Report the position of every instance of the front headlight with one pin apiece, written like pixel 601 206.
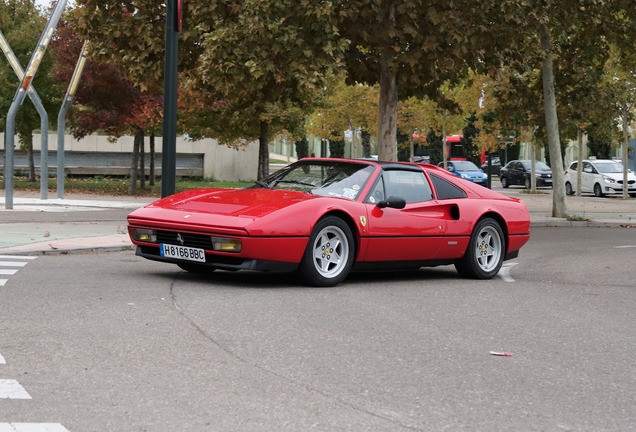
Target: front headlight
pixel 143 234
pixel 224 244
pixel 608 179
pixel 465 176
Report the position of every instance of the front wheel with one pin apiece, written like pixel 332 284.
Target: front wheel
pixel 568 189
pixel 485 252
pixel 329 254
pixel 598 192
pixel 504 182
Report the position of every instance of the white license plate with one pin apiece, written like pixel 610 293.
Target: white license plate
pixel 182 252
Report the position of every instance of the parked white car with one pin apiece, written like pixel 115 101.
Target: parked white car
pixel 600 177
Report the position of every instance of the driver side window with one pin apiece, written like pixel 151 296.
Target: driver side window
pixel 410 185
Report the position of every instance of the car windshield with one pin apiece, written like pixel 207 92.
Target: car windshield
pixel 609 167
pixel 538 165
pixel 320 177
pixel 465 166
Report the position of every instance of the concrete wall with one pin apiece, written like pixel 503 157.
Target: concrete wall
pixel 219 161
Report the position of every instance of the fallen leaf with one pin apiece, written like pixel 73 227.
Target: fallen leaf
pixel 47 234
pixel 51 246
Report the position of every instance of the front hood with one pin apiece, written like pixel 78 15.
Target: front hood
pixel 253 203
pixel 619 176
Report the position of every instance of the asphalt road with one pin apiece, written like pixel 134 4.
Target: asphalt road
pixel 110 342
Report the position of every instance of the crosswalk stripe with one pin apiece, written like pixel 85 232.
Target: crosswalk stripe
pixel 32 427
pixel 3 282
pixel 13 263
pixel 2 360
pixel 11 389
pixel 22 257
pixel 8 271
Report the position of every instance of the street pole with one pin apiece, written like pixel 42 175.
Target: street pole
pixel 169 146
pixel 61 117
pixel 44 117
pixel 20 94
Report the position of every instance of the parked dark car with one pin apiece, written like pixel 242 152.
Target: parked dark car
pixel 517 172
pixel 495 166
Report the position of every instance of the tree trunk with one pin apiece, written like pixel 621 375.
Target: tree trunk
pixel 579 166
pixel 151 182
pixel 625 118
pixel 366 143
pixel 4 163
pixel 559 207
pixel 387 127
pixel 29 145
pixel 263 152
pixel 142 165
pixel 444 149
pixel 132 186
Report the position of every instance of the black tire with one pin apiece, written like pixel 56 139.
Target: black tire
pixel 329 254
pixel 485 253
pixel 598 191
pixel 504 182
pixel 528 183
pixel 196 268
pixel 568 189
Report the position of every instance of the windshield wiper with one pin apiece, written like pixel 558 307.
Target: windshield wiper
pixel 307 186
pixel 263 184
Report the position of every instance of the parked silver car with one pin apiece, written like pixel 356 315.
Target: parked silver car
pixel 600 177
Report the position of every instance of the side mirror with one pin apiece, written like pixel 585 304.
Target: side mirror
pixel 392 202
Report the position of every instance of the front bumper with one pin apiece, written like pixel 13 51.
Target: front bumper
pixel 220 261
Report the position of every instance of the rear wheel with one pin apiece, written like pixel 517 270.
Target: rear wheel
pixel 528 183
pixel 598 192
pixel 485 252
pixel 329 254
pixel 568 189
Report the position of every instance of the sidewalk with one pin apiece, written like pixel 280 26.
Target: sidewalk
pixel 82 223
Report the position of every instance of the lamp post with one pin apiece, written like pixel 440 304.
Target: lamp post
pixel 169 146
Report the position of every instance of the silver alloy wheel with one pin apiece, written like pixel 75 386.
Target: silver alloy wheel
pixel 489 247
pixel 330 251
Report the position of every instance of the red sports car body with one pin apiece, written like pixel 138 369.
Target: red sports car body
pixel 325 217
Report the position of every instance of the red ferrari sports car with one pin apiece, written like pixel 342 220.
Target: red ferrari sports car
pixel 323 218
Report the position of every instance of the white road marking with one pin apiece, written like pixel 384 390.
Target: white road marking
pixel 625 247
pixel 22 257
pixel 2 360
pixel 504 273
pixel 32 427
pixel 8 271
pixel 11 389
pixel 13 263
pixel 3 282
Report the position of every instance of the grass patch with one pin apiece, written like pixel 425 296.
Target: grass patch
pixel 278 161
pixel 576 218
pixel 119 186
pixel 530 192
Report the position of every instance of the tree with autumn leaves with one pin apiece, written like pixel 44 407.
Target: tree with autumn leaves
pixel 268 63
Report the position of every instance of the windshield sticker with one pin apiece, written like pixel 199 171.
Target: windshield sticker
pixel 349 193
